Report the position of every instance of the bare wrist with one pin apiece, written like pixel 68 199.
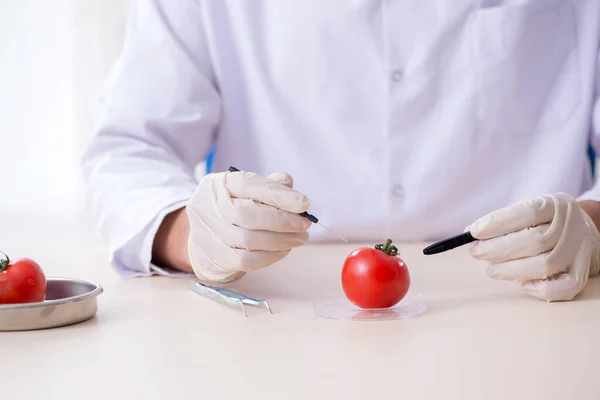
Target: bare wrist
pixel 170 243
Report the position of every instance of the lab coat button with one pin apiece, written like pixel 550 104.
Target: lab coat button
pixel 397 75
pixel 398 191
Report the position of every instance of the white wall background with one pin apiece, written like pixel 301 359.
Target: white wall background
pixel 54 56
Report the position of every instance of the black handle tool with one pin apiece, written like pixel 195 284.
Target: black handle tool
pixel 449 244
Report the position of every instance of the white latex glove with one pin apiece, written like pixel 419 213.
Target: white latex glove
pixel 240 222
pixel 549 244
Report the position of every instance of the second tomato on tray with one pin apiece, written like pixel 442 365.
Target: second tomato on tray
pixel 21 281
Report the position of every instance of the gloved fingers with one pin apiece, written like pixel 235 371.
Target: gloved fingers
pixel 218 250
pixel 203 251
pixel 283 178
pixel 230 261
pixel 561 287
pixel 524 243
pixel 537 267
pixel 595 260
pixel 557 288
pixel 240 238
pixel 568 284
pixel 251 215
pixel 248 185
pixel 514 218
pixel 214 260
pixel 254 260
pixel 234 215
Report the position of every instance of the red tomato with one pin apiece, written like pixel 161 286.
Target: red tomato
pixel 22 281
pixel 375 277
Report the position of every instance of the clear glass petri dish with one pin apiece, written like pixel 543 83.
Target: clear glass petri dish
pixel 338 307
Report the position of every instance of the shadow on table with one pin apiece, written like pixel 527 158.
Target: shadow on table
pixel 270 287
pixel 445 304
pixel 508 298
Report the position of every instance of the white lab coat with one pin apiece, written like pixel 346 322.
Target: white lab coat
pixel 400 119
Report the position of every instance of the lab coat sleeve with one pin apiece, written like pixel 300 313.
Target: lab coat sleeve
pixel 157 114
pixel 594 192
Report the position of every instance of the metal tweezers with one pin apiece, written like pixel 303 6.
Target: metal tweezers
pixel 227 296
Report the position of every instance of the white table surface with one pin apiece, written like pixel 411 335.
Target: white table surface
pixel 152 338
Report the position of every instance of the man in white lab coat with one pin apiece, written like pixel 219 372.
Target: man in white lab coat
pixel 401 119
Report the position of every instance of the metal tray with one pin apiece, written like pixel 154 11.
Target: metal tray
pixel 68 301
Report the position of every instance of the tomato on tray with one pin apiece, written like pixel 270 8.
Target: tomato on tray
pixel 21 281
pixel 375 277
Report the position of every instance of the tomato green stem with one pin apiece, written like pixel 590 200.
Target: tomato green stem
pixel 388 248
pixel 4 261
